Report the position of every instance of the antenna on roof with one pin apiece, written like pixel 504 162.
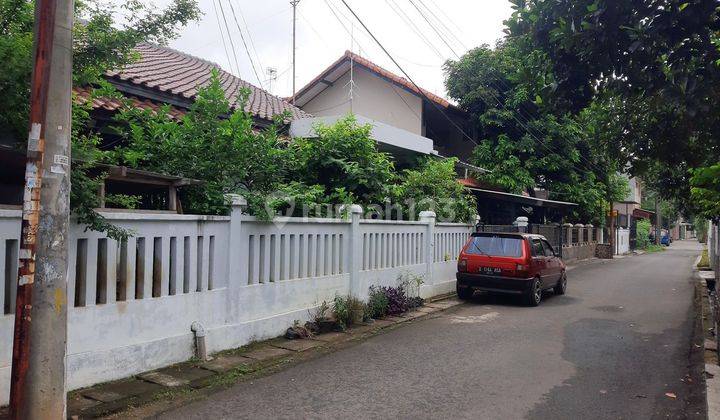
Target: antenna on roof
pixel 294 4
pixel 351 83
pixel 272 76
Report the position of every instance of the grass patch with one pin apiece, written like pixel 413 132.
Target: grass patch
pixel 654 248
pixel 230 377
pixel 704 260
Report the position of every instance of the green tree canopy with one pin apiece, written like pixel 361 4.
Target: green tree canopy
pixel 524 140
pixel 98 45
pixel 658 59
pixel 344 159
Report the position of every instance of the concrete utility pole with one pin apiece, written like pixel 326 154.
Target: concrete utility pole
pixel 294 4
pixel 37 388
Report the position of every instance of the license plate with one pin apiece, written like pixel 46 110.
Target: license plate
pixel 490 270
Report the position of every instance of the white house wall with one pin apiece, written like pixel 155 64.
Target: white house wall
pixel 373 97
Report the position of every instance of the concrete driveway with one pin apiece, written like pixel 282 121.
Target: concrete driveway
pixel 618 345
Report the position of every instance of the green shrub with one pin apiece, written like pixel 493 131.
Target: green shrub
pixel 643 233
pixel 378 302
pixel 348 310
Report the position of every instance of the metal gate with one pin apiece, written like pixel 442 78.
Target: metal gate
pixel 633 233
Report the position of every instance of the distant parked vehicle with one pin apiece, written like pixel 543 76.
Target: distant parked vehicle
pixel 665 240
pixel 510 263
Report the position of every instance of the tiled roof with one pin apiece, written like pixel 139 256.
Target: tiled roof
pixel 172 72
pixel 82 95
pixel 364 62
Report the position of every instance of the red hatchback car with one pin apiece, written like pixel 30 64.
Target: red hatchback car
pixel 512 263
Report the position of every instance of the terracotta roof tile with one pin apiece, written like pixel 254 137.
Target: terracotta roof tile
pixel 82 95
pixel 172 72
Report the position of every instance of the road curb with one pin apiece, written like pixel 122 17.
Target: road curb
pixel 711 372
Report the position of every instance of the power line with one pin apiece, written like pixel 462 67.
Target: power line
pixel 217 18
pixel 337 15
pixel 410 79
pixel 447 29
pixel 433 27
pixel 317 34
pixel 525 125
pixel 252 43
pixel 406 19
pixel 449 20
pixel 232 44
pixel 242 37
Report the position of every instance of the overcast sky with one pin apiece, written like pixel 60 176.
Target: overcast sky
pixel 321 38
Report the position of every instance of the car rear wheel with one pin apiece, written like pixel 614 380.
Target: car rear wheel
pixel 465 293
pixel 534 296
pixel 561 285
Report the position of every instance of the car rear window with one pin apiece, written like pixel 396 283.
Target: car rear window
pixel 497 246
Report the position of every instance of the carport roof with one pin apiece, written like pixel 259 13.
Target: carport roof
pixel 516 198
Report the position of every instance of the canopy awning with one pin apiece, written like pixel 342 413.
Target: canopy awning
pixel 516 198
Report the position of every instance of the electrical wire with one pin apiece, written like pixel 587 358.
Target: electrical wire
pixel 406 19
pixel 250 37
pixel 217 18
pixel 525 125
pixel 410 79
pixel 232 44
pixel 447 44
pixel 247 51
pixel 447 29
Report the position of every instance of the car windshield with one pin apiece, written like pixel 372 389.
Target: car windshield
pixel 499 246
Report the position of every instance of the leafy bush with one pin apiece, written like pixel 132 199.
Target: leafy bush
pixel 434 186
pixel 378 303
pixel 347 310
pixel 388 300
pixel 343 157
pixel 397 299
pixel 643 233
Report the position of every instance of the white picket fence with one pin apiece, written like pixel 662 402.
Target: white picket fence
pixel 131 304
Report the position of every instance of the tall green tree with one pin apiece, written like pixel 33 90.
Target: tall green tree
pixel 526 142
pixel 659 58
pixel 99 45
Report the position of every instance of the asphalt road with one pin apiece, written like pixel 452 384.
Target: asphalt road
pixel 611 348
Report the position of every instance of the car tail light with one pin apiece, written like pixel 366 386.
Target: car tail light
pixel 462 265
pixel 521 270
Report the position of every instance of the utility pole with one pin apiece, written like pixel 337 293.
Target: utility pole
pixel 294 4
pixel 37 387
pixel 658 220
